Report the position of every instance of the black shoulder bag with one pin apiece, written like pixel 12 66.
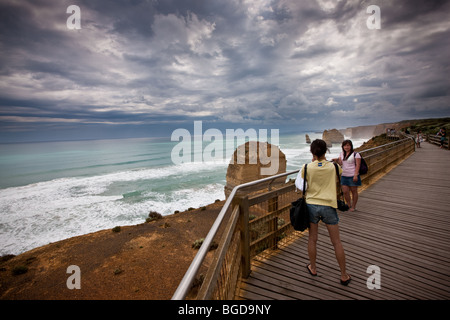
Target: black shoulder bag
pixel 299 211
pixel 363 168
pixel 341 203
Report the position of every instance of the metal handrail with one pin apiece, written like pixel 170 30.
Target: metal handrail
pixel 189 276
pixel 387 144
pixel 398 142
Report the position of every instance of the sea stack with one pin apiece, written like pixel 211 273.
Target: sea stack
pixel 245 165
pixel 332 136
pixel 308 140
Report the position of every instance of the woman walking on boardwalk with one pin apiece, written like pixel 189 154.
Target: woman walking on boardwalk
pixel 419 139
pixel 322 203
pixel 350 179
pixel 442 133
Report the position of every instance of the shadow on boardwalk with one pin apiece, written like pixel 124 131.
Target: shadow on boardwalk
pixel 402 225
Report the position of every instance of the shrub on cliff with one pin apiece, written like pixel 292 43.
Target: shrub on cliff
pixel 198 243
pixel 153 215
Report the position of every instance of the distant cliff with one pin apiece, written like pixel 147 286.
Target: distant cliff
pixel 367 132
pixel 361 132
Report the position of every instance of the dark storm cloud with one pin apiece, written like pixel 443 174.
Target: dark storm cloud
pixel 404 12
pixel 279 62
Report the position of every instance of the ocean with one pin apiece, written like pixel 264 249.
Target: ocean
pixel 51 191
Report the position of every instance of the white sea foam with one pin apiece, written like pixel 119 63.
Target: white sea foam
pixel 39 213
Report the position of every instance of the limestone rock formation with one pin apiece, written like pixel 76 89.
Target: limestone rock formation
pixel 247 165
pixel 332 136
pixel 308 139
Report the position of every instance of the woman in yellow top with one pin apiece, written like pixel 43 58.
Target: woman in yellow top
pixel 321 201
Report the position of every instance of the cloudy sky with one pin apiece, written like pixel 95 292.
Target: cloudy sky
pixel 146 67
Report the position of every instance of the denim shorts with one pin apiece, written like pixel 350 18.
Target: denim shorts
pixel 348 181
pixel 325 213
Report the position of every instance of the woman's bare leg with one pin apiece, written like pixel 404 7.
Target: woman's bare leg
pixel 346 191
pixel 312 245
pixel 354 191
pixel 333 230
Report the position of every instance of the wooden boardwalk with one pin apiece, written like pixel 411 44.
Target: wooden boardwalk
pixel 402 225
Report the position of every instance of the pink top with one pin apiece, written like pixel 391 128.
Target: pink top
pixel 349 165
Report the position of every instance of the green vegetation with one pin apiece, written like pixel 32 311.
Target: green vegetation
pixel 198 243
pixel 427 126
pixel 21 269
pixel 118 271
pixel 153 215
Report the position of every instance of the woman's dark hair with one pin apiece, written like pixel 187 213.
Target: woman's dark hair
pixel 318 147
pixel 345 142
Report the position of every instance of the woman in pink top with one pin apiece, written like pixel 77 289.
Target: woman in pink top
pixel 350 179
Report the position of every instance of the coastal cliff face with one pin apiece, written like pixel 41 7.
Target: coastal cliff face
pixel 246 165
pixel 367 132
pixel 360 132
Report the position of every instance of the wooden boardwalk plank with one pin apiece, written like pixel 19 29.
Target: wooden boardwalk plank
pixel 402 225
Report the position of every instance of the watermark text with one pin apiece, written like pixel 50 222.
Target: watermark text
pixel 74 281
pixel 211 144
pixel 374 280
pixel 374 21
pixel 74 20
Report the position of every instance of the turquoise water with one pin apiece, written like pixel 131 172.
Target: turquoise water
pixel 54 190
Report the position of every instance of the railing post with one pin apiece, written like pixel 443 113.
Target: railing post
pixel 273 224
pixel 245 236
pixel 367 180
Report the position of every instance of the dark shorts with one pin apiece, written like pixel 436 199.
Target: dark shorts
pixel 325 213
pixel 348 181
